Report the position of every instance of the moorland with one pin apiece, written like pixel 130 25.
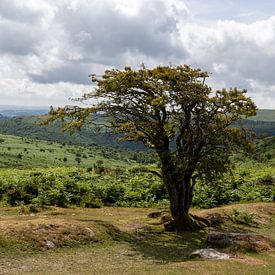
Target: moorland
pixel 92 199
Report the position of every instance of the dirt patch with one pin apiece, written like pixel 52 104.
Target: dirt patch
pixel 250 260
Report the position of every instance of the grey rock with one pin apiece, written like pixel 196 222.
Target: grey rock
pixel 50 244
pixel 91 233
pixel 210 253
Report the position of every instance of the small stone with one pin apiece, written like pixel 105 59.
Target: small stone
pixel 91 233
pixel 50 244
pixel 210 253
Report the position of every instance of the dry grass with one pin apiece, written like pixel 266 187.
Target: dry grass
pixel 126 241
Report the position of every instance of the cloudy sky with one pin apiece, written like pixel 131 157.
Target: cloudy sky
pixel 49 47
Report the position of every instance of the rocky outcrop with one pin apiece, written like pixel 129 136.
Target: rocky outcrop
pixel 243 241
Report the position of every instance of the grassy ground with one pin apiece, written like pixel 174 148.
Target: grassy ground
pixel 19 152
pixel 126 241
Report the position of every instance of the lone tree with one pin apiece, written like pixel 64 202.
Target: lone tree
pixel 173 111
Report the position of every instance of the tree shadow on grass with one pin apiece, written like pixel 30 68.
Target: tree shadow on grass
pixel 156 244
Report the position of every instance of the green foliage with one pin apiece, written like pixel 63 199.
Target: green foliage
pixel 127 187
pixel 242 217
pixel 167 105
pixel 70 186
pixel 253 179
pixel 78 160
pixel 90 201
pixel 250 182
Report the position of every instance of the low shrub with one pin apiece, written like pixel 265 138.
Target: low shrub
pixel 66 187
pixel 242 217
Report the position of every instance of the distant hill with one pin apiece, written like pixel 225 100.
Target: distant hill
pixel 25 122
pixel 261 128
pixel 264 115
pixel 28 126
pixel 12 111
pixel 263 123
pixel 25 152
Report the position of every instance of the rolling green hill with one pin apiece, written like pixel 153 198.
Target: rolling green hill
pixel 261 128
pixel 22 152
pixel 28 126
pixel 264 115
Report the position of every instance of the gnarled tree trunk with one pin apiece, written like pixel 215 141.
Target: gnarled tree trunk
pixel 180 195
pixel 180 188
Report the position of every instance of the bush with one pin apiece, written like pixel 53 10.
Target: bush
pixel 90 201
pixel 114 194
pixel 242 217
pixel 120 187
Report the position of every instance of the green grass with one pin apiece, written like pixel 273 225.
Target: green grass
pixel 19 152
pixel 128 242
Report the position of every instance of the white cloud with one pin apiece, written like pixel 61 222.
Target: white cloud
pixel 235 53
pixel 48 48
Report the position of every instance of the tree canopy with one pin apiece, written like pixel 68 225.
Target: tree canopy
pixel 173 111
